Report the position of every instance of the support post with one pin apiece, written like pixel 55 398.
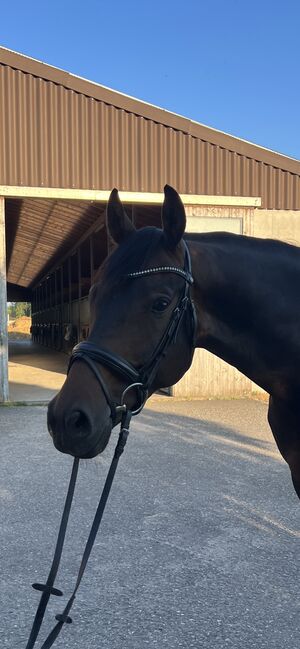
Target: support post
pixel 70 288
pixel 91 259
pixel 79 290
pixel 133 214
pixel 62 300
pixel 4 390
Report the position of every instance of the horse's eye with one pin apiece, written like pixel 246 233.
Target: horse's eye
pixel 161 304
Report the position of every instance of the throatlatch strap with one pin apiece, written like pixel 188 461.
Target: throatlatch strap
pixel 47 589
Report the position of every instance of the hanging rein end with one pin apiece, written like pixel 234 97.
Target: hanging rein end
pixel 64 619
pixel 44 588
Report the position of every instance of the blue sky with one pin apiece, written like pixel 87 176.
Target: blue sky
pixel 232 64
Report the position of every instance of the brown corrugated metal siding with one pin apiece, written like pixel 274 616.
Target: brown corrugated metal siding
pixel 55 136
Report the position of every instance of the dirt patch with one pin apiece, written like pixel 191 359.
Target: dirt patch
pixel 19 329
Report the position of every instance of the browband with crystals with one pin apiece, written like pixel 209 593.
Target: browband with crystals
pixel 163 269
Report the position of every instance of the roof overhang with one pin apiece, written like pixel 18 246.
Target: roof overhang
pixel 149 111
pixel 44 225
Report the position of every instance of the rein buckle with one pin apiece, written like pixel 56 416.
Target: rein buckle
pixel 122 408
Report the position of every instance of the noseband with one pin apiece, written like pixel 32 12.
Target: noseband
pixel 141 379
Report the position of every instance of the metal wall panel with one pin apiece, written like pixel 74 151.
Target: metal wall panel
pixel 54 136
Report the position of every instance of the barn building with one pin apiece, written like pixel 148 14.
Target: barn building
pixel 65 142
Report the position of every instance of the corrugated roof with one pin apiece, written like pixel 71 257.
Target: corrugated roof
pixel 59 130
pixel 147 110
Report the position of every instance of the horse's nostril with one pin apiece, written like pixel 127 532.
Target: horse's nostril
pixel 75 419
pixel 78 422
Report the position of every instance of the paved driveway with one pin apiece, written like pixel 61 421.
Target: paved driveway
pixel 199 545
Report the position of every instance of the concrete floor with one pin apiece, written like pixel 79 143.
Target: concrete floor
pixel 199 545
pixel 35 373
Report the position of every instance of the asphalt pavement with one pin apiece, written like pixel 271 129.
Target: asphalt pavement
pixel 199 546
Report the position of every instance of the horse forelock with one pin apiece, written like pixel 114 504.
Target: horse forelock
pixel 131 255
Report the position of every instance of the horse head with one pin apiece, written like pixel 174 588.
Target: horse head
pixel 141 326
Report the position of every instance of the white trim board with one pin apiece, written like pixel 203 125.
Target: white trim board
pixel 58 193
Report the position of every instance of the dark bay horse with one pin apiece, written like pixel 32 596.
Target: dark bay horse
pixel 247 304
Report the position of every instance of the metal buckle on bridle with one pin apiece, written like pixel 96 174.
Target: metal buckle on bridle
pixel 143 393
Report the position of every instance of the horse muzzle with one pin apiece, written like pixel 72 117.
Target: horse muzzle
pixel 75 432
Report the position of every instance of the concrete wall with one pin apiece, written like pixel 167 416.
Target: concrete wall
pixel 209 377
pixel 277 224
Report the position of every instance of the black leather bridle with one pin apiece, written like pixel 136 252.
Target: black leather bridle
pixel 141 379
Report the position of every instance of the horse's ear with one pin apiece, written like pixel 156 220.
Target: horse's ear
pixel 118 223
pixel 173 216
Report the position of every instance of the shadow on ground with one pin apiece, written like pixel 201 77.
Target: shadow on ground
pixel 185 426
pixel 25 352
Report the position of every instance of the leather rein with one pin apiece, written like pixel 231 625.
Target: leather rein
pixel 139 380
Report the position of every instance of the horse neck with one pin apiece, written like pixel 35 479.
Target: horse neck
pixel 239 318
